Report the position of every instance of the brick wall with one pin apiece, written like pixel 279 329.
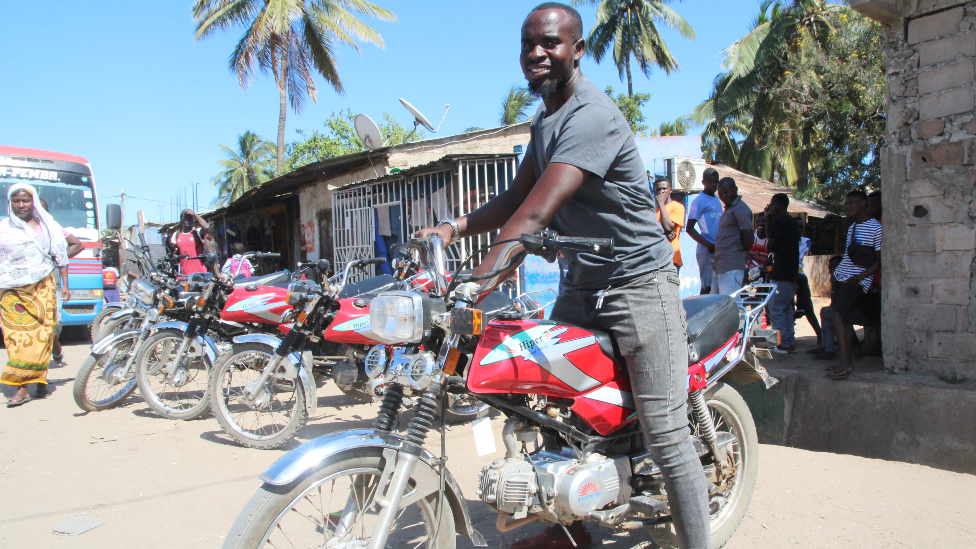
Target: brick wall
pixel 928 175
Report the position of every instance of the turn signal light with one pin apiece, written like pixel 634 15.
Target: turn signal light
pixel 200 301
pixel 466 321
pixel 167 302
pixel 450 365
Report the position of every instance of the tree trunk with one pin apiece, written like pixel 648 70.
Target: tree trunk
pixel 802 179
pixel 630 82
pixel 282 82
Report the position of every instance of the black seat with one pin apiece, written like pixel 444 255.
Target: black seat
pixel 712 321
pixel 367 289
pixel 200 277
pixel 495 301
pixel 273 279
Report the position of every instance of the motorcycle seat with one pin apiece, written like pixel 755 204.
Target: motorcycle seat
pixel 200 277
pixel 367 289
pixel 273 279
pixel 495 301
pixel 712 321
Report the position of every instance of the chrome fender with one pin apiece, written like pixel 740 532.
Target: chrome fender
pixel 107 342
pixel 293 366
pixel 205 345
pixel 335 447
pixel 122 314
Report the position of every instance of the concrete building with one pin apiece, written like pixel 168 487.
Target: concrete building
pixel 928 173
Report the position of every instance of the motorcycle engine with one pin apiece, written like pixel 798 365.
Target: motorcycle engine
pixel 571 489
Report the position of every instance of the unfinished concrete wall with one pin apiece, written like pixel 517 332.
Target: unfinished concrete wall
pixel 928 175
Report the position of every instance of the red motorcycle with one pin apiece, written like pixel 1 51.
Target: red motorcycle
pixel 574 450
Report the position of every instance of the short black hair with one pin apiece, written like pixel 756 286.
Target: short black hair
pixel 728 181
pixel 875 194
pixel 574 16
pixel 237 248
pixel 781 199
pixel 710 174
pixel 661 178
pixel 858 193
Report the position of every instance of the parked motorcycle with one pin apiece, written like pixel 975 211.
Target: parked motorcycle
pixel 567 396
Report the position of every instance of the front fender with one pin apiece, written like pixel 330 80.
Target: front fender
pixel 332 448
pixel 122 314
pixel 207 345
pixel 107 342
pixel 181 326
pixel 292 364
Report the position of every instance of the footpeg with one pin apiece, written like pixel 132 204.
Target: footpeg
pixel 648 506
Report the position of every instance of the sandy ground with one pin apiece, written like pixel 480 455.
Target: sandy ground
pixel 161 483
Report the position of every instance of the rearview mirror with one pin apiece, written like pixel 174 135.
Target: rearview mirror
pixel 113 217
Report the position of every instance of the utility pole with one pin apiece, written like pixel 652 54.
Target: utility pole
pixel 122 206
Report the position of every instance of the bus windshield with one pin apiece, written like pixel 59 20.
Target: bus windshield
pixel 69 197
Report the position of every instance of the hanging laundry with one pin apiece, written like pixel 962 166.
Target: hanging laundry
pixel 383 221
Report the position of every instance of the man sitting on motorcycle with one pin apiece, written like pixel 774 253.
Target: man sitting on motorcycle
pixel 583 176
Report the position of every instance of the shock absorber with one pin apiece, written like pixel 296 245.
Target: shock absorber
pixel 389 408
pixel 706 428
pixel 423 418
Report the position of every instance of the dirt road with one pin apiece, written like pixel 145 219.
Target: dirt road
pixel 161 483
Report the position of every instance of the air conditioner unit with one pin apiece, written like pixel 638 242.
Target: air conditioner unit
pixel 685 173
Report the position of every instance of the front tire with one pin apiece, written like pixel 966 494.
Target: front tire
pixel 187 396
pixel 464 408
pixel 266 428
pixel 728 507
pixel 91 391
pixel 95 329
pixel 302 515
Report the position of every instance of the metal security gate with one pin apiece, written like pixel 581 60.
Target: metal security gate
pixel 424 199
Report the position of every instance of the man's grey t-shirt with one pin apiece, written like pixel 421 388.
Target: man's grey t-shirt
pixel 729 255
pixel 615 201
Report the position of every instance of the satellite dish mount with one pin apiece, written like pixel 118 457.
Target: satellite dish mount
pixel 419 119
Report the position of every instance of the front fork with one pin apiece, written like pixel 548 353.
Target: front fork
pixel 254 390
pixel 121 375
pixel 189 335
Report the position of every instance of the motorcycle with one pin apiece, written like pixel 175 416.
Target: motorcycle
pixel 563 390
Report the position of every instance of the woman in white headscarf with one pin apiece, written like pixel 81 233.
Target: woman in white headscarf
pixel 32 246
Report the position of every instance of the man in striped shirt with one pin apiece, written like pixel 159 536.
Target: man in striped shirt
pixel 862 258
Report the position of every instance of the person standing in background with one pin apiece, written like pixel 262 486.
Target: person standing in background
pixel 804 299
pixel 237 264
pixel 703 218
pixel 32 248
pixel 733 240
pixel 674 218
pixel 189 241
pixel 75 247
pixel 783 240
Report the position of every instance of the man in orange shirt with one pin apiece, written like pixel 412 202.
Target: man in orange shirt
pixel 675 219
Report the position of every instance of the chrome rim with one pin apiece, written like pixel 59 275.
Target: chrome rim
pixel 100 392
pixel 191 381
pixel 261 423
pixel 465 405
pixel 338 512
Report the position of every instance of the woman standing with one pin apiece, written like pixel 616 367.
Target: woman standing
pixel 32 246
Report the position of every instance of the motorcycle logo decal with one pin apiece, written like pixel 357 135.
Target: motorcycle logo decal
pixel 542 345
pixel 589 491
pixel 719 355
pixel 609 395
pixel 255 301
pixel 355 325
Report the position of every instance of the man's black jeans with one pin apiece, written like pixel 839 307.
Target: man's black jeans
pixel 647 319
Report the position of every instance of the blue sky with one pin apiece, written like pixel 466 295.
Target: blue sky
pixel 124 84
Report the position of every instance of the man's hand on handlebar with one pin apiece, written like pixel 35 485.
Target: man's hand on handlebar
pixel 444 231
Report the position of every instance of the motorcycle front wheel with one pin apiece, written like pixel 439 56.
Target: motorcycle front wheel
pixel 96 325
pixel 186 395
pixel 334 507
pixel 464 408
pixel 730 501
pixel 94 389
pixel 269 425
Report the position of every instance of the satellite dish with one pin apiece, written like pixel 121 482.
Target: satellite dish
pixel 368 132
pixel 419 118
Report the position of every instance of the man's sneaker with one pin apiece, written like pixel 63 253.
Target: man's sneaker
pixel 554 538
pixel 784 349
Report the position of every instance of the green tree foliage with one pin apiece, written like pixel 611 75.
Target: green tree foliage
pixel 680 126
pixel 290 40
pixel 515 106
pixel 628 28
pixel 802 99
pixel 339 138
pixel 245 168
pixel 630 106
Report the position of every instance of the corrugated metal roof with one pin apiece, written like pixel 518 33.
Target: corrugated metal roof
pixel 429 166
pixel 756 193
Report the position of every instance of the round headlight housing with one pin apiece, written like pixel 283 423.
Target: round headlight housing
pixel 400 317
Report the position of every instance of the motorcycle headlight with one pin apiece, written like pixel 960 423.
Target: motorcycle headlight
pixel 400 317
pixel 142 291
pixel 130 302
pixel 152 315
pixel 375 363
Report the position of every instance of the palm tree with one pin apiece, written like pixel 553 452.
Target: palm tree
pixel 247 167
pixel 629 25
pixel 514 106
pixel 290 39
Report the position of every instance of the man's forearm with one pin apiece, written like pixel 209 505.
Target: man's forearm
pixel 696 236
pixel 491 216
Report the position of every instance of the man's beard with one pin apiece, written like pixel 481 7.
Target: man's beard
pixel 546 88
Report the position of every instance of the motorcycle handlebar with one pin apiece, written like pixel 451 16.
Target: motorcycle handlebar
pixel 266 255
pixel 548 241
